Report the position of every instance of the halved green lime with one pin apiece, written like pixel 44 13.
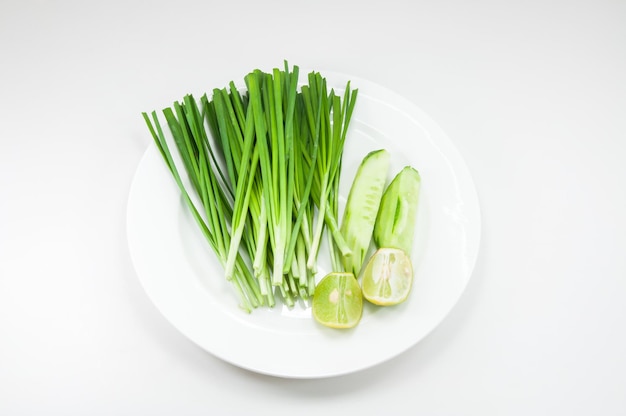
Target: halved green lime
pixel 337 301
pixel 387 277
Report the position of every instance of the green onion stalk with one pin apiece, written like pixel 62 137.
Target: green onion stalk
pixel 264 163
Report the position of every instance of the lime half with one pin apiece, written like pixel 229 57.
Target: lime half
pixel 387 277
pixel 337 301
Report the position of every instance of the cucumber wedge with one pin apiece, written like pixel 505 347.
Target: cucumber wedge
pixel 362 207
pixel 397 215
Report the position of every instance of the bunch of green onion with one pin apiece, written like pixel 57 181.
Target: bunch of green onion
pixel 263 163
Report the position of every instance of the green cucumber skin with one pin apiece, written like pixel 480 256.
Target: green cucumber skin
pixel 362 206
pixel 397 215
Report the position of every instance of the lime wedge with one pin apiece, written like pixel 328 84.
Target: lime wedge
pixel 387 277
pixel 337 301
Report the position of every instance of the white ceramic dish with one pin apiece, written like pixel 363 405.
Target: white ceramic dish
pixel 182 277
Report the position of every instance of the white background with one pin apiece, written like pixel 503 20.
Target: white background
pixel 532 93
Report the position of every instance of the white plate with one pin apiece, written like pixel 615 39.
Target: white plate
pixel 184 280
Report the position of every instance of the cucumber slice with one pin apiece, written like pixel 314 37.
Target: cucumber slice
pixel 397 215
pixel 361 209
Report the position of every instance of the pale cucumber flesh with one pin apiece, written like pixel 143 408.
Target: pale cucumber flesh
pixel 362 207
pixel 397 215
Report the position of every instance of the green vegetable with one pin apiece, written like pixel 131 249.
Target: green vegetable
pixel 395 223
pixel 185 123
pixel 362 207
pixel 320 106
pixel 263 167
